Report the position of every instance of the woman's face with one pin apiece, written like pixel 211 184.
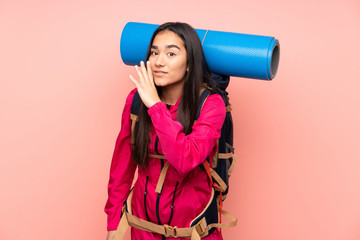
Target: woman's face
pixel 168 60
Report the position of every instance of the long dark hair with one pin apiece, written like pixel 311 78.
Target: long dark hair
pixel 197 75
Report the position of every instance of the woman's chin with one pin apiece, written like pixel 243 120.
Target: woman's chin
pixel 159 83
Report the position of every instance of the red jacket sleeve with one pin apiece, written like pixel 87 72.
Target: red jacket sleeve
pixel 186 152
pixel 122 169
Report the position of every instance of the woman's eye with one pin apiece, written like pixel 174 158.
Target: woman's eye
pixel 153 53
pixel 171 54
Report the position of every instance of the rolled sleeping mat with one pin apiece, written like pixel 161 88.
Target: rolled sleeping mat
pixel 226 53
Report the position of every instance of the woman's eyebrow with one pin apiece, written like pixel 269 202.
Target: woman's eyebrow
pixel 167 46
pixel 172 46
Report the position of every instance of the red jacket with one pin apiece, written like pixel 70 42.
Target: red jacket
pixel 186 189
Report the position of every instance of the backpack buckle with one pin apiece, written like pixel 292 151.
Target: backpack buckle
pixel 170 231
pixel 199 228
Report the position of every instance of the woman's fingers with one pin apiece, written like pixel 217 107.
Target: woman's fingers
pixel 144 72
pixel 149 72
pixel 145 84
pixel 141 79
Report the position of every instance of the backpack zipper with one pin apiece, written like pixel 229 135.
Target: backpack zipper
pixel 172 204
pixel 146 213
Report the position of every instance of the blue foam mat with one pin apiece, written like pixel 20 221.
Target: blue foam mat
pixel 226 53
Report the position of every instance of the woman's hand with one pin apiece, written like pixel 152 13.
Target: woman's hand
pixel 145 85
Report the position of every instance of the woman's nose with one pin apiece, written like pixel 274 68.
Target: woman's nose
pixel 159 61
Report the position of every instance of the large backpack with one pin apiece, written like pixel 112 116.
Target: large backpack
pixel 224 160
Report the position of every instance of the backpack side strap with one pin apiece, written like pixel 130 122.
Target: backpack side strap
pixel 232 166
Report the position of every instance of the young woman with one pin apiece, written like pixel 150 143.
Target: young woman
pixel 169 85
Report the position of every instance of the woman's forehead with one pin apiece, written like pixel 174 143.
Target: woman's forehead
pixel 168 39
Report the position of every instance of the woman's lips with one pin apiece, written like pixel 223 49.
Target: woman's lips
pixel 159 73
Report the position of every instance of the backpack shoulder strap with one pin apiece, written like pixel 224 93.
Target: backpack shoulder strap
pixel 204 95
pixel 135 109
pixel 135 104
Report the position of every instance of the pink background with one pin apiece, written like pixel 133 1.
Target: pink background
pixel 63 86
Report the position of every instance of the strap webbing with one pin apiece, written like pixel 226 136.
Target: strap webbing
pixel 134 119
pixel 168 231
pixel 232 223
pixel 232 165
pixel 156 156
pixel 201 229
pixel 216 155
pixel 211 173
pixel 123 225
pixel 220 185
pixel 218 179
pixel 228 108
pixel 225 155
pixel 162 176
